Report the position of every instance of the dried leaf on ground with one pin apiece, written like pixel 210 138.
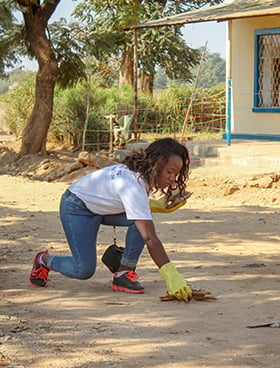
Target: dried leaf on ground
pixel 198 295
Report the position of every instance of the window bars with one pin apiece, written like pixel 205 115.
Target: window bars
pixel 269 70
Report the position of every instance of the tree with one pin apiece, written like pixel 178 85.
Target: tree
pixel 164 46
pixel 35 132
pixel 36 18
pixel 58 60
pixel 6 22
pixel 213 70
pixel 59 49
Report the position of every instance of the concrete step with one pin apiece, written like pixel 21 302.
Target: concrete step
pixel 239 153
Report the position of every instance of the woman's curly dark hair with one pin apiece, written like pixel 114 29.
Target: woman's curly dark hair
pixel 149 162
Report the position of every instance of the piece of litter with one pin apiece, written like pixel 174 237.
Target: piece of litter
pixel 273 324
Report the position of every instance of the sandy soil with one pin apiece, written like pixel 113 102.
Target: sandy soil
pixel 225 240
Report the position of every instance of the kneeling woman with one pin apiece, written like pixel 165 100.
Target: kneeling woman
pixel 118 195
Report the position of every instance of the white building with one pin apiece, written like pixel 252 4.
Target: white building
pixel 253 63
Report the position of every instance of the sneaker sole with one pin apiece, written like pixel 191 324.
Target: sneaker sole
pixel 37 286
pixel 121 288
pixel 29 278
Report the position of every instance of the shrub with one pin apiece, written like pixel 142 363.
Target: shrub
pixel 19 101
pixel 164 113
pixel 70 113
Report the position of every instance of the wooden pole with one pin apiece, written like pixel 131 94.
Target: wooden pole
pixel 192 95
pixel 111 148
pixel 87 112
pixel 135 59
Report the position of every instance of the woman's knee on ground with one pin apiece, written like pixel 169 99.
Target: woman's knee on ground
pixel 85 272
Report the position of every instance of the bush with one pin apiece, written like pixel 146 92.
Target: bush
pixel 164 113
pixel 19 101
pixel 70 108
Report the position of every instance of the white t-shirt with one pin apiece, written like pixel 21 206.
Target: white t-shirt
pixel 112 190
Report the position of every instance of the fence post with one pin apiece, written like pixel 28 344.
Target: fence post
pixel 192 96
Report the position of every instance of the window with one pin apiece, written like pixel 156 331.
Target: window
pixel 267 70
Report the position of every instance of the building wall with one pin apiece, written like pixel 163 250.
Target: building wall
pixel 243 120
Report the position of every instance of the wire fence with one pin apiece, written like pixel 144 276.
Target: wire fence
pixel 207 114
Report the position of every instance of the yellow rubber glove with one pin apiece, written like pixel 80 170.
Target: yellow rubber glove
pixel 176 284
pixel 160 205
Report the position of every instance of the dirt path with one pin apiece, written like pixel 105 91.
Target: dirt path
pixel 226 240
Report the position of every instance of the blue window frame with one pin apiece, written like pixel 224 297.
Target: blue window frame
pixel 267 70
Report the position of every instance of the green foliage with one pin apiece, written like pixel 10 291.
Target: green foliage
pixel 167 111
pixel 162 46
pixel 70 111
pixel 164 113
pixel 68 53
pixel 213 70
pixel 19 102
pixel 79 55
pixel 11 37
pixel 70 43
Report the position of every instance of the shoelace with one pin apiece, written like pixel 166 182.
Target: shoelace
pixel 41 273
pixel 131 275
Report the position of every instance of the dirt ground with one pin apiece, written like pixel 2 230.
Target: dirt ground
pixel 225 240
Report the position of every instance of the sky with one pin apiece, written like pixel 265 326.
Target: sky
pixel 195 34
pixel 214 33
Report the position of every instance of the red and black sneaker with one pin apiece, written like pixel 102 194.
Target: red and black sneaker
pixel 127 282
pixel 39 275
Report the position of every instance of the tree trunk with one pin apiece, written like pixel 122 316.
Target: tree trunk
pixel 126 68
pixel 35 132
pixel 147 83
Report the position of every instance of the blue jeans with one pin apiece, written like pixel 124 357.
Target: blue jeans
pixel 81 228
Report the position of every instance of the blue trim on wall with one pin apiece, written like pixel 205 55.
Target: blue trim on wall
pixel 258 33
pixel 266 31
pixel 264 109
pixel 256 137
pixel 228 132
pixel 256 69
